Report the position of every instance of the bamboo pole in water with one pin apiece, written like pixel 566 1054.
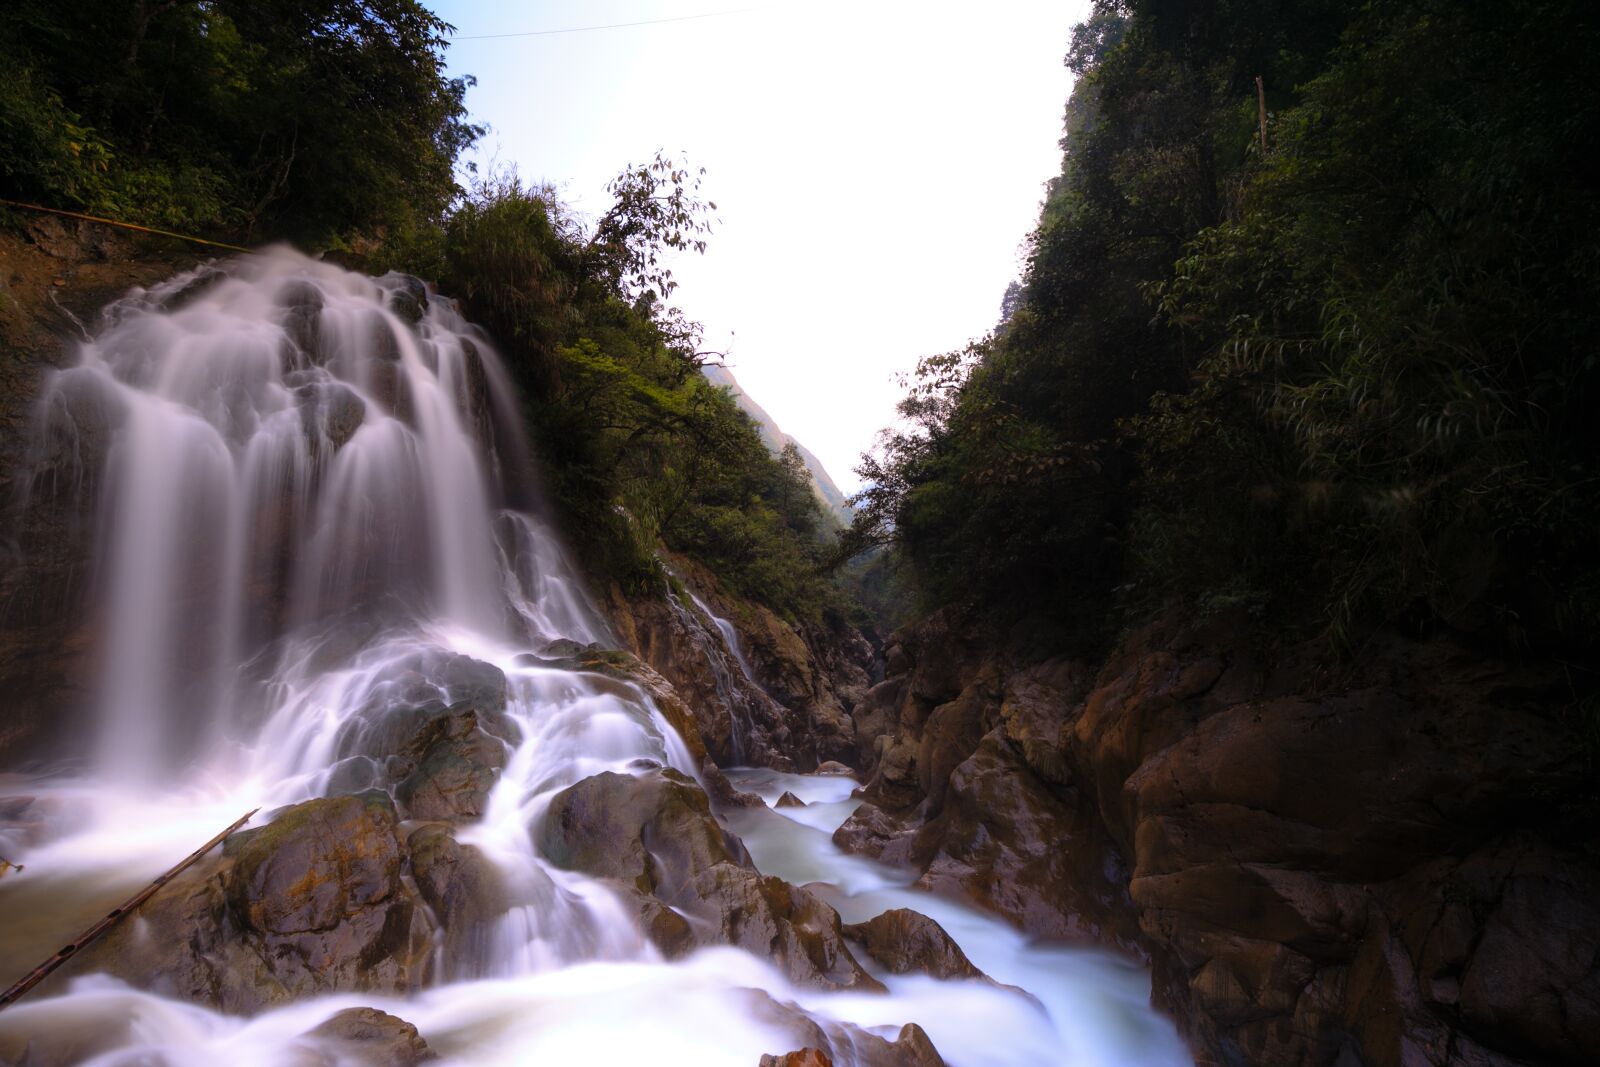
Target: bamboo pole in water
pixel 67 951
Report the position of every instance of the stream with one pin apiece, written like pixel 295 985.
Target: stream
pixel 311 520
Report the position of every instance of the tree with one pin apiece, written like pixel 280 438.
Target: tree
pixel 317 120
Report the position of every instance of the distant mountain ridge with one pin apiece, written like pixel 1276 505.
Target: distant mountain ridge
pixel 833 499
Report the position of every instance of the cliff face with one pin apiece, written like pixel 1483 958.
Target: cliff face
pixel 780 696
pixel 54 284
pixel 1324 868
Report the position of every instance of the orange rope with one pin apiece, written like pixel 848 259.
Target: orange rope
pixel 124 225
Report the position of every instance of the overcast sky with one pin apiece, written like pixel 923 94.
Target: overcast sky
pixel 876 166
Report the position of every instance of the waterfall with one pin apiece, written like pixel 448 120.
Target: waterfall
pixel 307 532
pixel 312 521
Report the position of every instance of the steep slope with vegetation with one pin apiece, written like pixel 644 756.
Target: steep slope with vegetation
pixel 1342 383
pixel 314 120
pixel 1261 537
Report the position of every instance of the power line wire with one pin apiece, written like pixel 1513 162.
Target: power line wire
pixel 615 25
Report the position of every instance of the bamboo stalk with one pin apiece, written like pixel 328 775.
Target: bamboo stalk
pixel 125 226
pixel 67 951
pixel 1261 110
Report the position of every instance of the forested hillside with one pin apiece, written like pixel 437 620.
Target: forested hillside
pixel 1307 327
pixel 1254 550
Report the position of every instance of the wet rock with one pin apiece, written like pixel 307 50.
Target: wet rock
pixel 905 941
pixel 1530 979
pixel 833 768
pixel 871 831
pixel 840 1042
pixel 912 1048
pixel 806 1057
pixel 789 800
pixel 951 733
pixel 787 924
pixel 311 903
pixel 796 711
pixel 408 298
pixel 367 1037
pixel 655 835
pixel 666 927
pixel 318 891
pixel 653 832
pixel 456 767
pixel 464 890
pixel 817 673
pixel 1006 841
pixel 199 284
pixel 331 412
pixel 628 668
pixel 736 720
pixel 302 318
pixel 314 864
pixel 1035 712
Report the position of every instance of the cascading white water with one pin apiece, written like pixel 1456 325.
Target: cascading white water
pixel 311 517
pixel 730 636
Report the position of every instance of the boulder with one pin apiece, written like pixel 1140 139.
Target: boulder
pixel 462 888
pixel 654 834
pixel 456 764
pixel 789 800
pixel 408 296
pixel 905 941
pixel 835 1042
pixel 367 1037
pixel 313 902
pixel 806 1057
pixel 317 894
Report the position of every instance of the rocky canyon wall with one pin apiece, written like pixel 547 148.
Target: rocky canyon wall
pixel 1330 866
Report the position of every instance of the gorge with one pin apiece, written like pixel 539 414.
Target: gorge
pixel 1206 671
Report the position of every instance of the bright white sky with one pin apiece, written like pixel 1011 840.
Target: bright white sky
pixel 876 166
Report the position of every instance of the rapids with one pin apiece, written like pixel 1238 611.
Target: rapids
pixel 310 508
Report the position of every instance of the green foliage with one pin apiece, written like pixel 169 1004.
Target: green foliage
pixel 639 450
pixel 1341 383
pixel 316 120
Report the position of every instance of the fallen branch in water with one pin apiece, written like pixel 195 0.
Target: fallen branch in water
pixel 39 973
pixel 7 866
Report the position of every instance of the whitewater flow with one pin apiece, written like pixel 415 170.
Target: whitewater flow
pixel 312 514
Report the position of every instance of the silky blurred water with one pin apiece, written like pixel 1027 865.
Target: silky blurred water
pixel 312 515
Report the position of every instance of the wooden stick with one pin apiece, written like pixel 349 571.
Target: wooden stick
pixel 39 973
